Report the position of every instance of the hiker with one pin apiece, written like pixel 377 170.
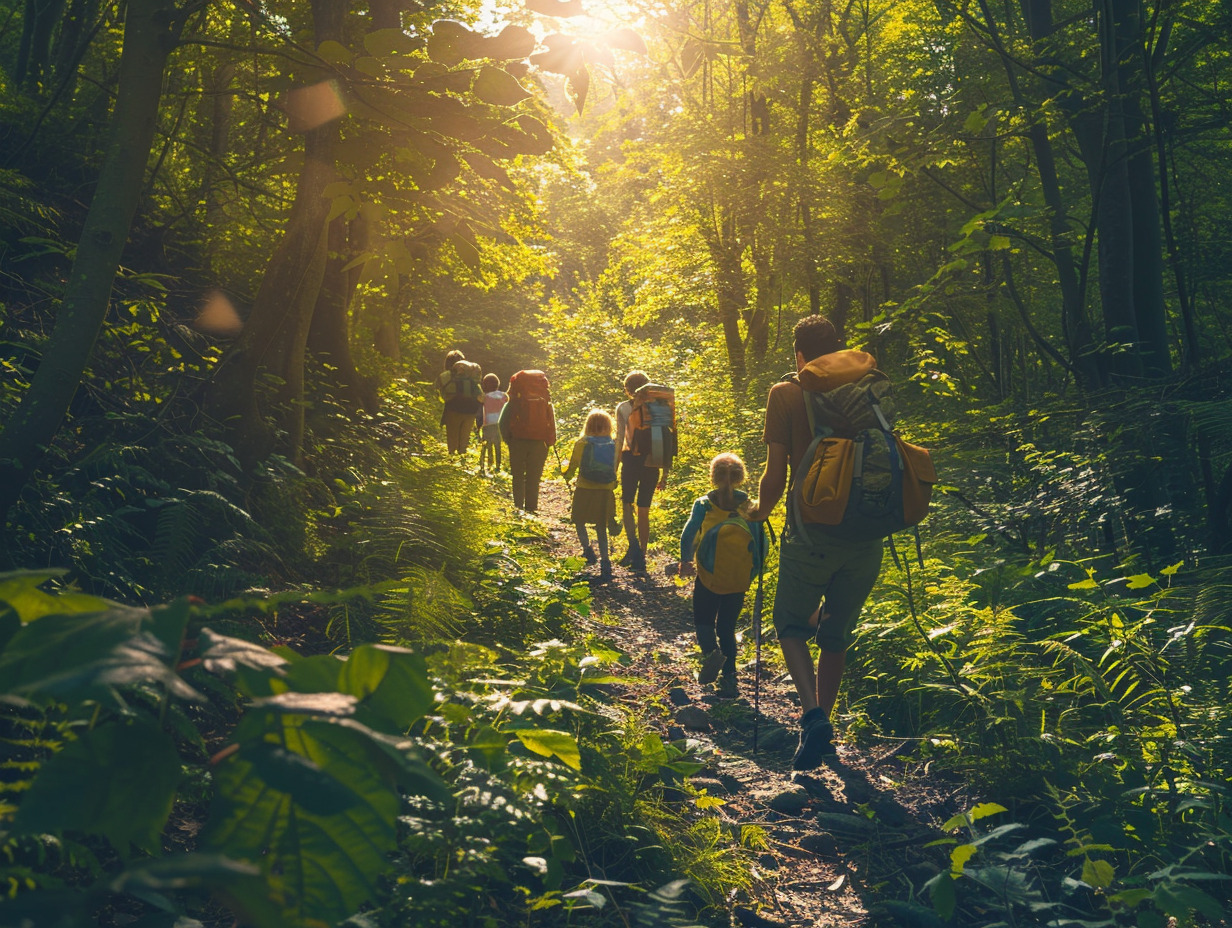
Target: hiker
pixel 594 499
pixel 638 481
pixel 724 552
pixel 488 420
pixel 459 386
pixel 528 425
pixel 823 582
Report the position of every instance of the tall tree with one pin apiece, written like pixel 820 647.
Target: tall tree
pixel 151 29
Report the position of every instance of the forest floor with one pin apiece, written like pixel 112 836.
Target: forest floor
pixel 846 842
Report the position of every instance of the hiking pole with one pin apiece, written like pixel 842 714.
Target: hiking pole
pixel 757 606
pixel 560 467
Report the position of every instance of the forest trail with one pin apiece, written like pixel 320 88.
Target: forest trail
pixel 846 841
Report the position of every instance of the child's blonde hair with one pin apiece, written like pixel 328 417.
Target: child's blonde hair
pixel 598 422
pixel 726 473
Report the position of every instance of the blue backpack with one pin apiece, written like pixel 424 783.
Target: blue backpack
pixel 599 459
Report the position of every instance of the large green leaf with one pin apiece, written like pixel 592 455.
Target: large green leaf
pixel 72 656
pixel 549 743
pixel 513 42
pixel 19 590
pixel 391 683
pixel 320 866
pixel 117 780
pixel 499 87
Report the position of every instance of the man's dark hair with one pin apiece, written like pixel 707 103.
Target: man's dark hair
pixel 453 358
pixel 815 336
pixel 635 379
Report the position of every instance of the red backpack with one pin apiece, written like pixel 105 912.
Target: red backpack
pixel 530 407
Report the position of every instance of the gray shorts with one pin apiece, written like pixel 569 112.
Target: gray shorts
pixel 840 572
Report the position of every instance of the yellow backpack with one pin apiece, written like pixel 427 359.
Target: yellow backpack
pixel 731 551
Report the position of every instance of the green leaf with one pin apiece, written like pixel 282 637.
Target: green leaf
pixel 1097 873
pixel 296 775
pixel 390 682
pixel 1172 568
pixel 959 857
pixel 319 673
pixel 943 897
pixel 1139 581
pixel 1178 900
pixel 117 780
pixel 321 866
pixel 513 42
pixel 19 589
pixel 498 87
pixel 74 656
pixel 334 52
pixel 550 743
pixel 998 242
pixel 1087 584
pixel 985 809
pixel 385 43
pixel 221 654
pixel 625 39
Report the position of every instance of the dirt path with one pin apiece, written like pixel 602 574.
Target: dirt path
pixel 845 842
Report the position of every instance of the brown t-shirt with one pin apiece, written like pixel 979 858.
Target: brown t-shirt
pixel 787 420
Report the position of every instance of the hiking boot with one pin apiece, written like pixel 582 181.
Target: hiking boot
pixel 816 741
pixel 727 686
pixel 637 561
pixel 627 557
pixel 605 570
pixel 712 663
pixel 588 553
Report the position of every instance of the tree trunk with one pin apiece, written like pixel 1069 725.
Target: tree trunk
pixel 726 251
pixel 276 334
pixel 1075 324
pixel 221 101
pixel 149 35
pixel 329 334
pixel 759 319
pixel 38 27
pixel 1114 215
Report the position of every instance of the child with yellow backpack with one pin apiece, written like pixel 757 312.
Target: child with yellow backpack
pixel 726 553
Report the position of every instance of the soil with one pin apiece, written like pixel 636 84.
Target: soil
pixel 846 842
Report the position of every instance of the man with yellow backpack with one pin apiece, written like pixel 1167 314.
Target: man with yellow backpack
pixel 853 483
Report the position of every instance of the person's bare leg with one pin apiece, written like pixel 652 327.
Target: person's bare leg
pixel 629 523
pixel 643 527
pixel 830 667
pixel 800 665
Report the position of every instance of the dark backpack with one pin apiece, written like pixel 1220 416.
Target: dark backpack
pixel 858 479
pixel 598 459
pixel 530 412
pixel 464 391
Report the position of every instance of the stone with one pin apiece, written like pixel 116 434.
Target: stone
pixel 775 739
pixel 693 718
pixel 678 696
pixel 821 845
pixel 791 801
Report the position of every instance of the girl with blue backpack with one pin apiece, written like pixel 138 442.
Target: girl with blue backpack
pixel 725 552
pixel 594 499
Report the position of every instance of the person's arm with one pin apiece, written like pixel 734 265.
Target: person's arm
pixel 505 422
pixel 575 459
pixel 689 535
pixel 621 419
pixel 773 482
